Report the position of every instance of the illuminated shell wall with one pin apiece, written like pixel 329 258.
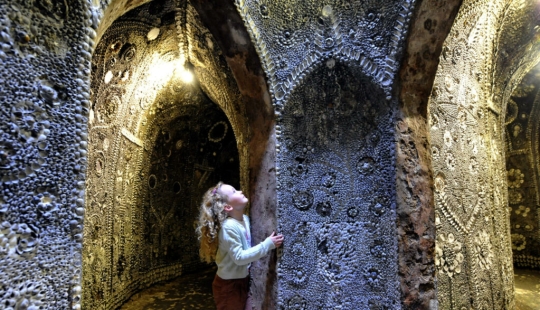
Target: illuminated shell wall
pixel 477 72
pixel 156 144
pixel 370 133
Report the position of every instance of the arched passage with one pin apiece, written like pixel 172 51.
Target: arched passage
pixel 155 144
pixel 521 136
pixel 193 149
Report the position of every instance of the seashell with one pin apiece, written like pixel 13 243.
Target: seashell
pixel 153 34
pixel 48 94
pixel 327 11
pixel 108 77
pixel 5 37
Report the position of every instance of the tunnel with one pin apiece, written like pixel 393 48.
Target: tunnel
pixel 157 142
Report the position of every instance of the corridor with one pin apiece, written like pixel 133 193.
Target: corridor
pixel 192 291
pixel 527 289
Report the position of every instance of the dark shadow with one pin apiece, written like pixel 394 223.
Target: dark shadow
pixel 522 125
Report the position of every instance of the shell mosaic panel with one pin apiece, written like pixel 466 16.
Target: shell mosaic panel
pixel 336 193
pixel 43 142
pixel 473 253
pixel 292 37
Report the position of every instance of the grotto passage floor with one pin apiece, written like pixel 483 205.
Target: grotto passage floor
pixel 194 291
pixel 191 291
pixel 527 284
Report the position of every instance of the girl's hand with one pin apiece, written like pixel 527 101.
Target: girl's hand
pixel 276 239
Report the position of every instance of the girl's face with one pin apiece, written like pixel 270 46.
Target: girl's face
pixel 235 198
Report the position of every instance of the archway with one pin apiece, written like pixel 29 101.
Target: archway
pixel 193 149
pixel 155 144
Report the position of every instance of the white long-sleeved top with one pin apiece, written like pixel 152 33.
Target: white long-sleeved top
pixel 235 252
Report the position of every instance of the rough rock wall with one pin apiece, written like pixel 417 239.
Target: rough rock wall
pixel 44 62
pixel 430 25
pixel 522 155
pixel 156 144
pixel 322 51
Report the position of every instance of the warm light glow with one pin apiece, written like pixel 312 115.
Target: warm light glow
pixel 185 75
pixel 160 72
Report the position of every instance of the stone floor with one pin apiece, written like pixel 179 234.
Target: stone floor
pixel 194 291
pixel 527 284
pixel 191 291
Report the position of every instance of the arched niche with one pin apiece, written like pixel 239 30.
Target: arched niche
pixel 336 193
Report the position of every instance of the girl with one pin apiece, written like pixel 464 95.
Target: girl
pixel 225 237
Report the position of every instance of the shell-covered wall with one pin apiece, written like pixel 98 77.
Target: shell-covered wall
pixel 344 57
pixel 44 66
pixel 156 143
pixel 466 117
pixel 331 68
pixel 522 169
pixel 472 247
pixel 336 193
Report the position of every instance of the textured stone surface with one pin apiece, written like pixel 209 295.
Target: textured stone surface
pixel 473 252
pixel 527 288
pixel 192 291
pixel 429 28
pixel 272 68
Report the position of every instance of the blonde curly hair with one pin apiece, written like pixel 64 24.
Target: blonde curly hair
pixel 211 216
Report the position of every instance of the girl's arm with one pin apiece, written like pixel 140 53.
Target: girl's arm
pixel 240 256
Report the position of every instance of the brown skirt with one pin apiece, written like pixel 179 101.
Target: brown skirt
pixel 230 294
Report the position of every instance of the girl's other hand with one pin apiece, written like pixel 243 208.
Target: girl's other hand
pixel 276 239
